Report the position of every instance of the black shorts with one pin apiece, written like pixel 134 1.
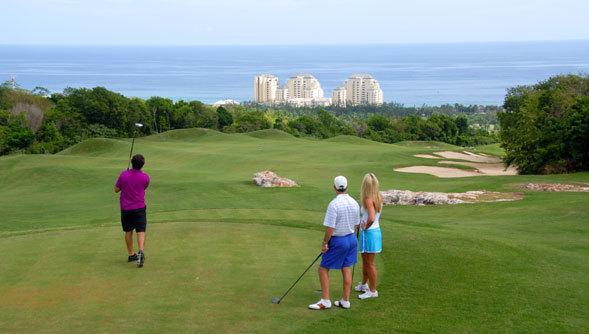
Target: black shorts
pixel 134 220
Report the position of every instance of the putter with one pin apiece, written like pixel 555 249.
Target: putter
pixel 137 125
pixel 276 300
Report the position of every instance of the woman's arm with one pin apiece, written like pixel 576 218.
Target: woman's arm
pixel 369 206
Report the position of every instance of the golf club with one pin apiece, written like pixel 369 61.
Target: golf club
pixel 276 300
pixel 137 125
pixel 354 266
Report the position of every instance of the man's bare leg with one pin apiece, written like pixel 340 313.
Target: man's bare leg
pixel 129 242
pixel 347 280
pixel 140 240
pixel 324 279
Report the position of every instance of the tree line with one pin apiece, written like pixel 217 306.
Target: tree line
pixel 543 128
pixel 34 122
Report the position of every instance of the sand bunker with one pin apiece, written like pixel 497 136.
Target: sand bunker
pixel 482 165
pixel 268 179
pixel 426 156
pixel 407 197
pixel 486 168
pixel 443 172
pixel 468 156
pixel 556 187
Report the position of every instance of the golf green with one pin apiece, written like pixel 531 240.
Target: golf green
pixel 219 248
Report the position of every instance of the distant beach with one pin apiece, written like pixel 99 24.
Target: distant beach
pixel 412 74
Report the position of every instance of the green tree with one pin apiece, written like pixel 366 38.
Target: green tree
pixel 545 127
pixel 224 116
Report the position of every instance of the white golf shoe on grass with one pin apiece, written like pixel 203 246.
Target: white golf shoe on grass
pixel 321 305
pixel 342 303
pixel 361 287
pixel 368 294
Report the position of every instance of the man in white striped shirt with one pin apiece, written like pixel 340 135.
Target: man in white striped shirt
pixel 339 243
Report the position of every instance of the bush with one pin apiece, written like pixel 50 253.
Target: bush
pixel 545 127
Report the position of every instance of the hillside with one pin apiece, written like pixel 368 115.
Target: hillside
pixel 219 248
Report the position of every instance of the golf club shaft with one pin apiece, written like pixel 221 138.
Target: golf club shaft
pixel 304 272
pixel 131 153
pixel 354 267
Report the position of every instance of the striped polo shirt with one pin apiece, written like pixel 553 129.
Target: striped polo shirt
pixel 343 214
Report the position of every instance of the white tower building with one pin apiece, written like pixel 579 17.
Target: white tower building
pixel 282 95
pixel 265 87
pixel 363 89
pixel 304 86
pixel 338 97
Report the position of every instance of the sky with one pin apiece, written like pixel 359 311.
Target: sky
pixel 270 22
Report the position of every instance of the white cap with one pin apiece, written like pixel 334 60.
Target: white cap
pixel 340 183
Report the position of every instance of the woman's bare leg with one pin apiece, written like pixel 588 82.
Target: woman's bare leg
pixel 364 269
pixel 371 271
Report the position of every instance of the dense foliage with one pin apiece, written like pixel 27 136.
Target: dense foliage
pixel 545 127
pixel 32 121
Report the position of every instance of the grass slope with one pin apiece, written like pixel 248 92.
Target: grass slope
pixel 220 248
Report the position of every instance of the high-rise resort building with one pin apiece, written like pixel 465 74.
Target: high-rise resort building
pixel 339 96
pixel 304 86
pixel 265 87
pixel 304 90
pixel 363 89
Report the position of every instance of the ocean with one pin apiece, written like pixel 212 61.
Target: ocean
pixel 411 74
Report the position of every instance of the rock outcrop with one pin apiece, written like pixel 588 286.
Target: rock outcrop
pixel 407 197
pixel 555 187
pixel 268 179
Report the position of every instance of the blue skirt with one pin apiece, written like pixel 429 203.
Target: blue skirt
pixel 370 241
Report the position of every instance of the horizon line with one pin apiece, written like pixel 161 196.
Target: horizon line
pixel 296 44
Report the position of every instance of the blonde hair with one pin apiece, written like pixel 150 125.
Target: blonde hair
pixel 370 189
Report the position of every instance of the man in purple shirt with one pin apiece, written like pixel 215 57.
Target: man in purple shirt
pixel 132 184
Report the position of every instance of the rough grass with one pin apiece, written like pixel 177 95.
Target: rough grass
pixel 220 248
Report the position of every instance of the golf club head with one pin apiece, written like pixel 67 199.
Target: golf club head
pixel 275 300
pixel 139 125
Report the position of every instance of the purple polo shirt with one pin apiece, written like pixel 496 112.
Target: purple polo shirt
pixel 132 184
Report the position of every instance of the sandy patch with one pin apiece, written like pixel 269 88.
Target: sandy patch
pixel 407 197
pixel 486 168
pixel 468 156
pixel 443 172
pixel 426 156
pixel 556 187
pixel 483 165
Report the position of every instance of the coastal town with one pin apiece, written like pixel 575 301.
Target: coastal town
pixel 304 90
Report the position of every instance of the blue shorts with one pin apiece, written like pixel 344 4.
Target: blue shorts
pixel 341 252
pixel 370 241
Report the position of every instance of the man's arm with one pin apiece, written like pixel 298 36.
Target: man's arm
pixel 118 184
pixel 329 223
pixel 326 238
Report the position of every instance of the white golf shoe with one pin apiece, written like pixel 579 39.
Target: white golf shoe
pixel 368 294
pixel 342 303
pixel 361 287
pixel 321 305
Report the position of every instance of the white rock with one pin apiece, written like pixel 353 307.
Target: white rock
pixel 268 179
pixel 407 197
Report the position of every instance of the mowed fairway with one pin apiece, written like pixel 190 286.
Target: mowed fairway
pixel 219 248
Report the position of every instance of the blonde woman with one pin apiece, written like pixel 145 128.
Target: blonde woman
pixel 370 238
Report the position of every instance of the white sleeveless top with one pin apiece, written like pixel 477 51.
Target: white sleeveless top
pixel 375 224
